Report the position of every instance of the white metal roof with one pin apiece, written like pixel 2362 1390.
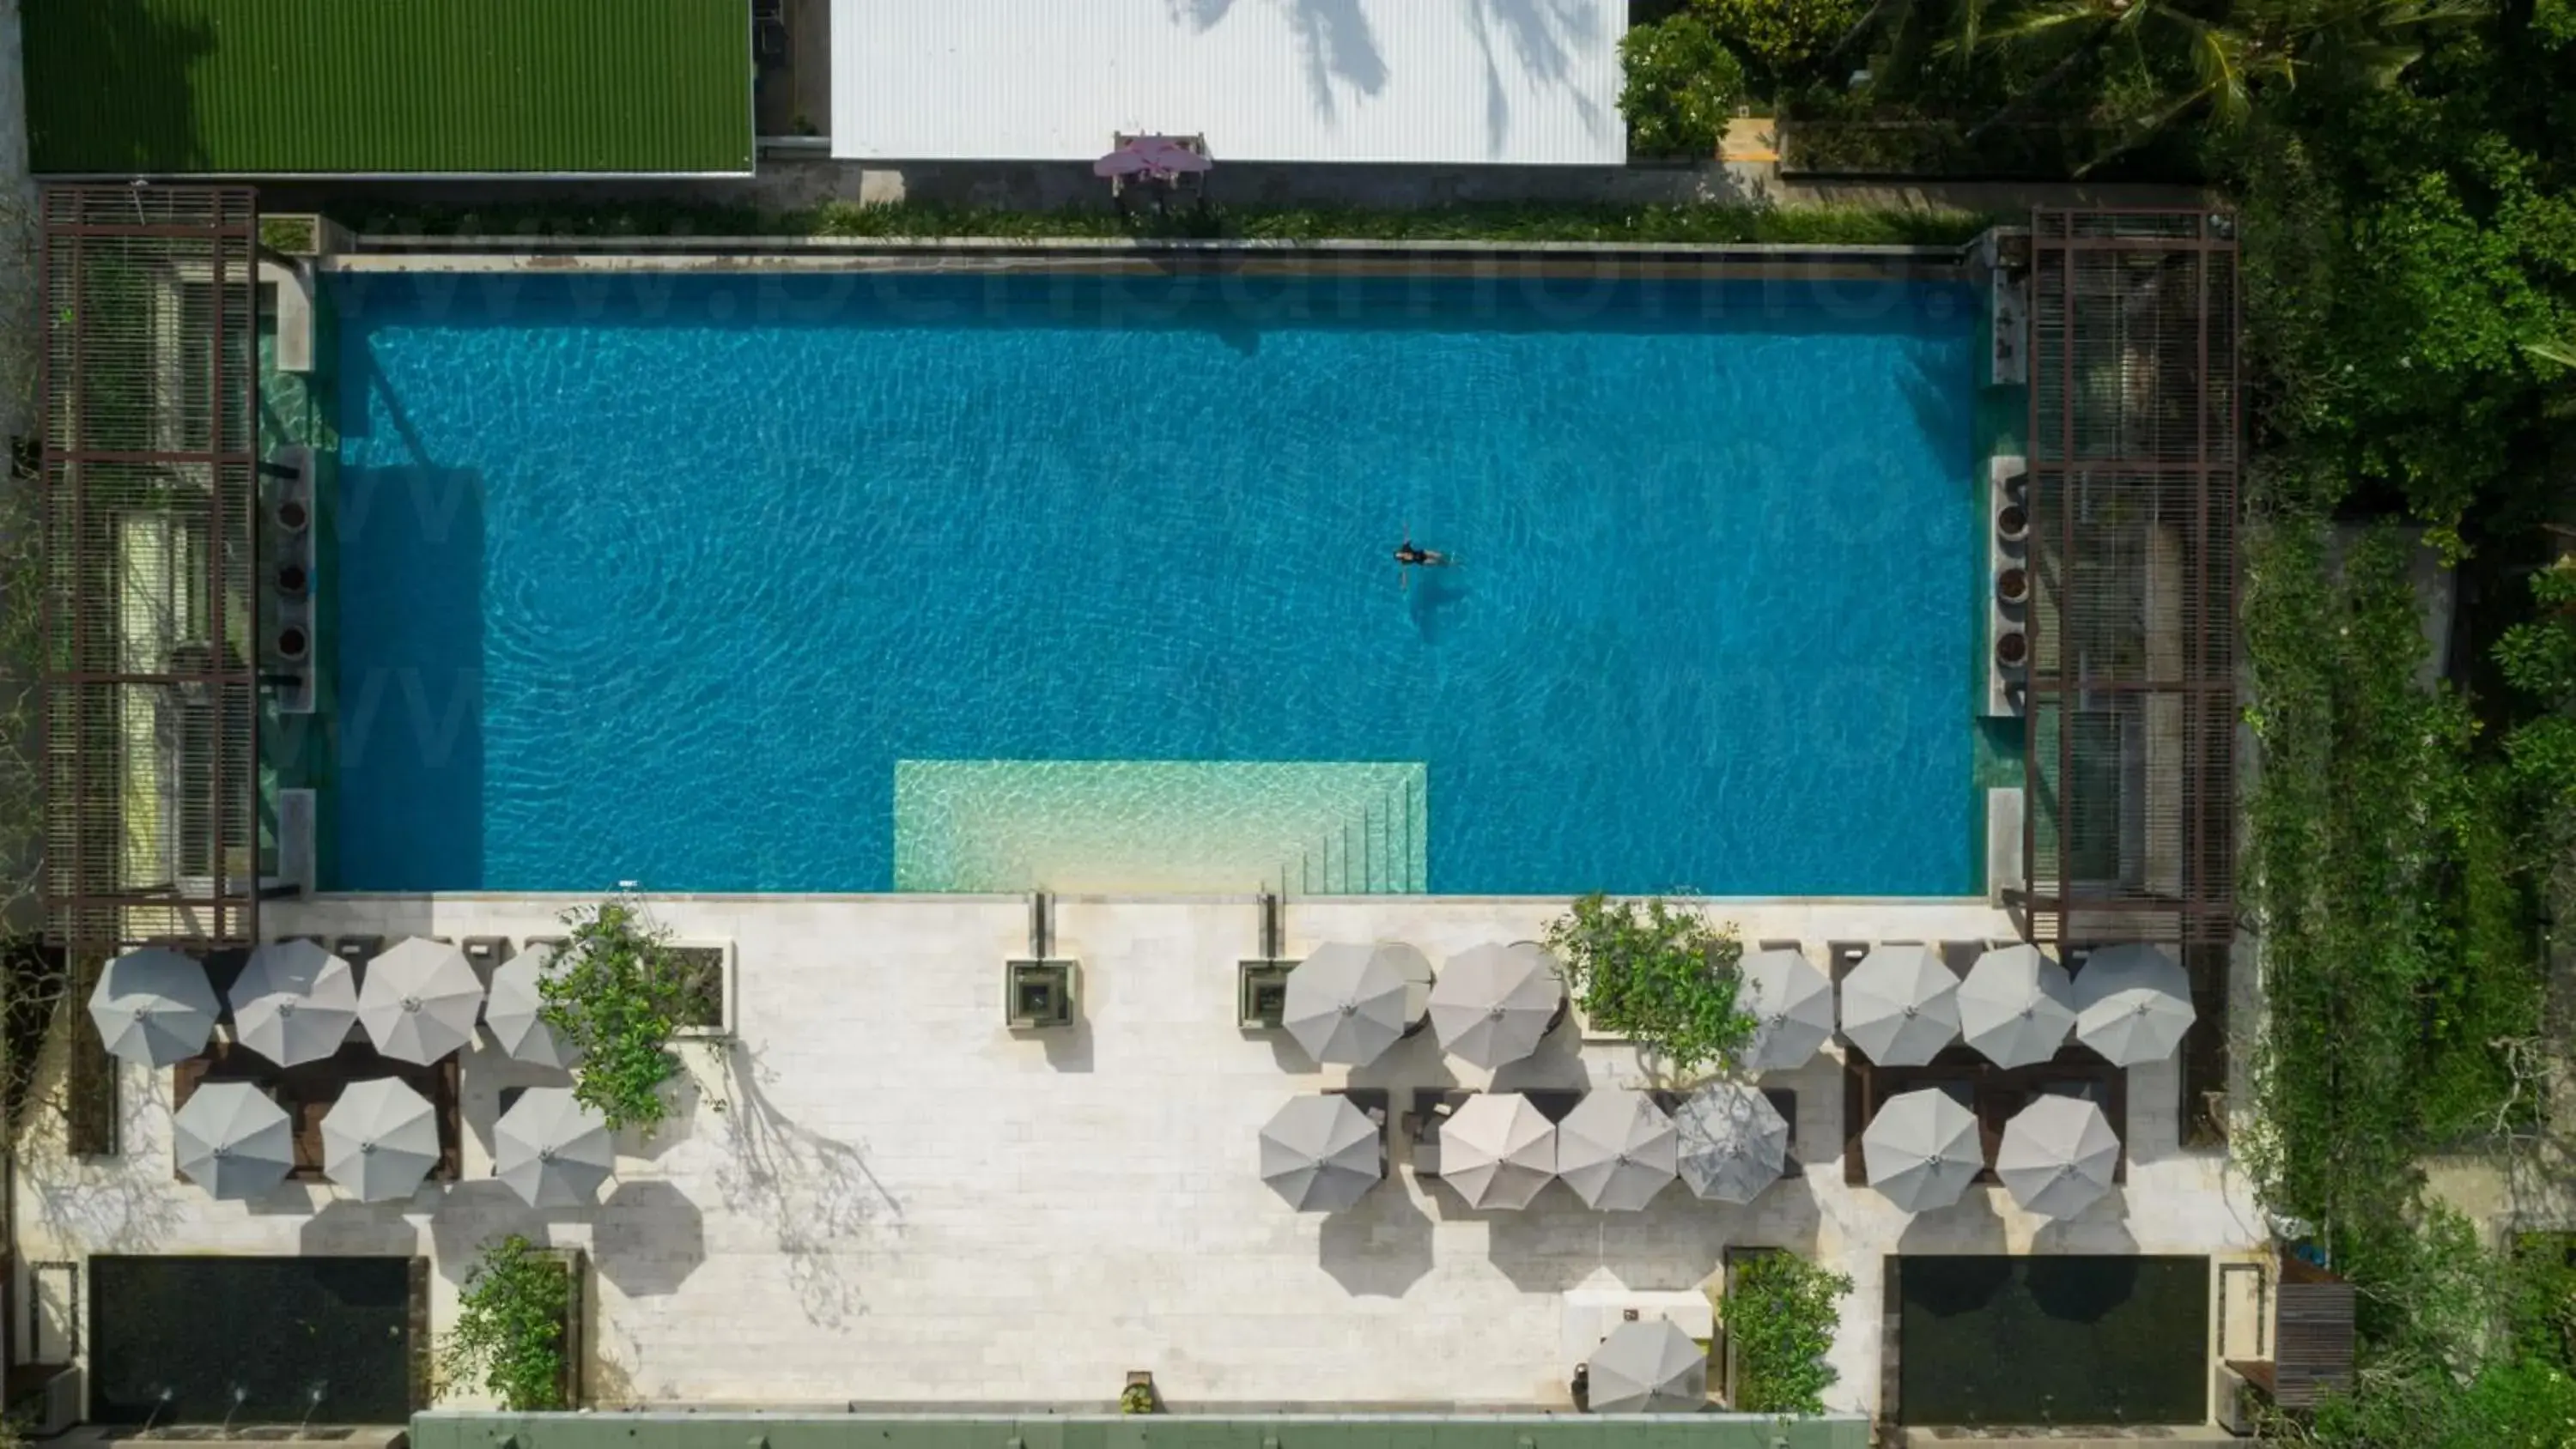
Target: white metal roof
pixel 1522 82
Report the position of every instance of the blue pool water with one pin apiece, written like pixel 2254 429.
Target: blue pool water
pixel 657 579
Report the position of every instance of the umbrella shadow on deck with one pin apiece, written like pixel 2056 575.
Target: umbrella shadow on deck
pixel 1381 1247
pixel 1558 1242
pixel 649 1238
pixel 348 1228
pixel 1971 1226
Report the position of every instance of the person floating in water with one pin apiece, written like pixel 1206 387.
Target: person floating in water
pixel 1410 556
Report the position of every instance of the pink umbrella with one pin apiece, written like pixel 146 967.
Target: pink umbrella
pixel 1160 157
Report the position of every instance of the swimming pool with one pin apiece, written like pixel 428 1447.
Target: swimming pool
pixel 670 578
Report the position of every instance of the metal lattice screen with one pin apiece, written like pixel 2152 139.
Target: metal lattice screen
pixel 2131 711
pixel 150 475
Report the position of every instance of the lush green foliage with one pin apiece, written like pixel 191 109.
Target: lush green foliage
pixel 1784 43
pixel 509 1335
pixel 2391 901
pixel 1658 972
pixel 1494 222
pixel 1681 89
pixel 616 993
pixel 1780 1315
pixel 2538 658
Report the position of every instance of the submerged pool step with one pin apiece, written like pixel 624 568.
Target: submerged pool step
pixel 1180 826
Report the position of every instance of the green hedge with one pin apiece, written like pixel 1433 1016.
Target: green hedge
pixel 1703 224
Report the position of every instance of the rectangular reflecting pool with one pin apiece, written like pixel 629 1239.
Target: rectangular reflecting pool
pixel 2053 1340
pixel 727 583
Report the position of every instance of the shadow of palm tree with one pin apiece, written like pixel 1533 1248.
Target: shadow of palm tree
pixel 1334 41
pixel 817 1194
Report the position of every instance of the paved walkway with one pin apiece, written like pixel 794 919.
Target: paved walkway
pixel 902 1200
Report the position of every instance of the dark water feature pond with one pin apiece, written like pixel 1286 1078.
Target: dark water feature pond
pixel 2053 1340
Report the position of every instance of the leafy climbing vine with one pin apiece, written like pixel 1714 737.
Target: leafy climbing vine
pixel 1780 1315
pixel 616 993
pixel 1658 972
pixel 509 1334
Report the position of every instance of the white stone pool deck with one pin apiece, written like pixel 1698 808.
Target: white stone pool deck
pixel 900 1201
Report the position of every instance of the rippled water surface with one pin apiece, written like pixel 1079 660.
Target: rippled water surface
pixel 657 579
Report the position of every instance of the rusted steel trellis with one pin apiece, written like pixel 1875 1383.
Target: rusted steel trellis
pixel 2134 451
pixel 149 468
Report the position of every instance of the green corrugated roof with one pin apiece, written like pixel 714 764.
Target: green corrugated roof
pixel 270 87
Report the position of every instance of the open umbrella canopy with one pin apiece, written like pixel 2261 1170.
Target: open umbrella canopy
pixel 552 1150
pixel 1157 156
pixel 1493 1003
pixel 1922 1150
pixel 153 1007
pixel 2058 1155
pixel 1497 1151
pixel 1616 1149
pixel 2133 1004
pixel 379 1140
pixel 231 1140
pixel 294 1002
pixel 1648 1366
pixel 514 1012
pixel 2016 1007
pixel 1348 1003
pixel 1901 1006
pixel 1792 1006
pixel 1322 1153
pixel 419 1000
pixel 1734 1143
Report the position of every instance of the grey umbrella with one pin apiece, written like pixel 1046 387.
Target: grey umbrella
pixel 1901 1006
pixel 1734 1143
pixel 294 1003
pixel 1648 1366
pixel 2133 1004
pixel 1497 1151
pixel 514 1011
pixel 552 1150
pixel 2057 1155
pixel 1349 1003
pixel 379 1140
pixel 153 1007
pixel 1922 1150
pixel 1322 1153
pixel 419 1000
pixel 1493 1003
pixel 231 1140
pixel 1616 1149
pixel 2016 1007
pixel 1792 1006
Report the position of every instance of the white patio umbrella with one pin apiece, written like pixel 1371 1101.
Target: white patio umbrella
pixel 1616 1149
pixel 231 1140
pixel 552 1150
pixel 1792 1006
pixel 1493 1003
pixel 2133 1004
pixel 1497 1151
pixel 2058 1155
pixel 1734 1143
pixel 1648 1366
pixel 1901 1006
pixel 1921 1150
pixel 1348 1003
pixel 153 1007
pixel 2016 1007
pixel 294 1002
pixel 379 1140
pixel 513 1011
pixel 1322 1153
pixel 419 1000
